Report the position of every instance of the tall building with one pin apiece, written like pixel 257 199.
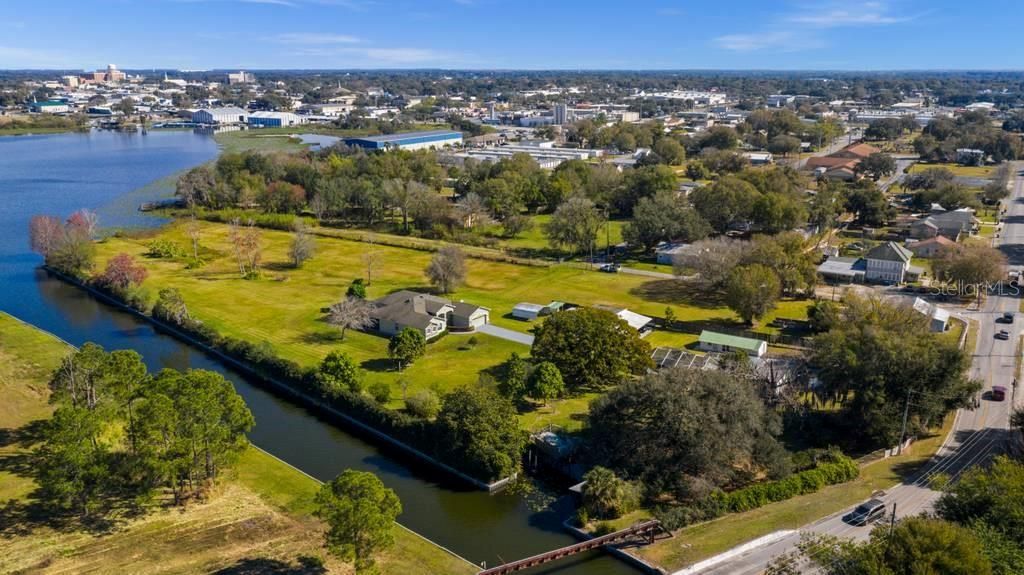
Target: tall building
pixel 562 114
pixel 241 78
pixel 492 114
pixel 114 75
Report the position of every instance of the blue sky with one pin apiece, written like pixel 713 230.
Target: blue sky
pixel 513 34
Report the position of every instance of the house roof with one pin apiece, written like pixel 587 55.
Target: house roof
pixel 733 341
pixel 410 308
pixel 930 310
pixel 534 307
pixel 937 240
pixel 831 162
pixel 842 267
pixel 859 150
pixel 889 251
pixel 635 320
pixel 463 309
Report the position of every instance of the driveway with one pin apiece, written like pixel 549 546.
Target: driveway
pixel 648 273
pixel 516 336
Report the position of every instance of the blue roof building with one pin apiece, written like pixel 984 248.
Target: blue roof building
pixel 408 140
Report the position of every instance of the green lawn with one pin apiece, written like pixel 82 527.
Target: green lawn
pixel 259 514
pixel 258 141
pixel 957 169
pixel 27 358
pixel 283 308
pixel 534 240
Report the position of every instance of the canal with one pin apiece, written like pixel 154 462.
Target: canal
pixel 114 172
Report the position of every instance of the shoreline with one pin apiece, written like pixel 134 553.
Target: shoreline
pixel 302 399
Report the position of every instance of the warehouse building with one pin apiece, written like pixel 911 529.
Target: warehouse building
pixel 275 119
pixel 50 107
pixel 229 115
pixel 547 157
pixel 408 140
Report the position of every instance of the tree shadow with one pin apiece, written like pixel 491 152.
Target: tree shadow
pixel 676 292
pixel 380 364
pixel 278 266
pixel 305 565
pixel 321 338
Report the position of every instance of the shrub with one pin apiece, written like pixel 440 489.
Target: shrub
pixel 380 392
pixel 423 403
pixel 163 249
pixel 603 528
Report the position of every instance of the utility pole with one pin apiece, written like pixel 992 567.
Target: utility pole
pixel 903 431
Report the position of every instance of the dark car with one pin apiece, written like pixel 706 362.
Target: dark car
pixel 1003 334
pixel 868 512
pixel 998 393
pixel 1008 317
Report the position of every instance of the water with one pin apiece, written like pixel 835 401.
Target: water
pixel 113 173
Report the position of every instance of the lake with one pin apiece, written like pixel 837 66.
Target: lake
pixel 113 173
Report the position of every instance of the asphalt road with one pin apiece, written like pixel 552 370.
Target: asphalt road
pixel 977 433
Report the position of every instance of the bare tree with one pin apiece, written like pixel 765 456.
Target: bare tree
pixel 447 269
pixel 303 244
pixel 371 259
pixel 44 234
pixel 351 312
pixel 473 211
pixel 319 205
pixel 193 231
pixel 245 242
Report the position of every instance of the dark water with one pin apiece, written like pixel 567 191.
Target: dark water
pixel 113 173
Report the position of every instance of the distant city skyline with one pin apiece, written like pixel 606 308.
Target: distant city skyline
pixel 513 35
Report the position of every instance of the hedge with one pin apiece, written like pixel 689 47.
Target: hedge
pixel 839 469
pixel 832 468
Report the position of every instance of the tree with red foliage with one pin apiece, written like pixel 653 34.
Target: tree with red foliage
pixel 84 222
pixel 283 198
pixel 122 272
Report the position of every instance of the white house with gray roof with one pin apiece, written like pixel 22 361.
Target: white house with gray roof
pixel 889 263
pixel 428 314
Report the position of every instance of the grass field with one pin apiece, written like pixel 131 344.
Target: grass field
pixel 704 540
pixel 257 141
pixel 257 520
pixel 284 307
pixel 957 169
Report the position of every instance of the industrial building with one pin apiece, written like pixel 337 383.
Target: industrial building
pixel 408 140
pixel 241 78
pixel 50 107
pixel 229 115
pixel 275 119
pixel 544 153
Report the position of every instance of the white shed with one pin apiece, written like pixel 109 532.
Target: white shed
pixel 527 311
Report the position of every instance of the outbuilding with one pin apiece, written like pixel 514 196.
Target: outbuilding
pixel 527 311
pixel 725 343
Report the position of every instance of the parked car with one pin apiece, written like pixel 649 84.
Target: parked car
pixel 1007 317
pixel 998 393
pixel 610 268
pixel 868 512
pixel 1002 334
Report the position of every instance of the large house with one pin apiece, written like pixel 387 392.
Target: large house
pixel 840 165
pixel 931 247
pixel 428 314
pixel 950 224
pixel 889 263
